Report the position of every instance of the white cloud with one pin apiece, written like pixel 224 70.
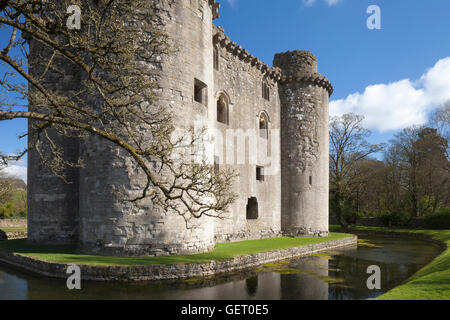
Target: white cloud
pixel 399 104
pixel 310 3
pixel 231 2
pixel 16 170
pixel 332 2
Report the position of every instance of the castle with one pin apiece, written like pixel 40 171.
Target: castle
pixel 283 191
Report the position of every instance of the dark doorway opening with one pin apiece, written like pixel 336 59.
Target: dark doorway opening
pixel 252 209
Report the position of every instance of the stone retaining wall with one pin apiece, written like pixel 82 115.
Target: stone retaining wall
pixel 13 223
pixel 14 235
pixel 169 272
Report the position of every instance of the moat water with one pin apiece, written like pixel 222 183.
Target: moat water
pixel 339 274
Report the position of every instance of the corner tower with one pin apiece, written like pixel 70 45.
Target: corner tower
pixel 111 226
pixel 304 96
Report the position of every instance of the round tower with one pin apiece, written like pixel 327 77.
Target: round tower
pixel 304 96
pixel 112 226
pixel 52 202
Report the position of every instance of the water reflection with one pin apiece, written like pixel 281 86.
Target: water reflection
pixel 337 275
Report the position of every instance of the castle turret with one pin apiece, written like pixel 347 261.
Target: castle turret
pixel 304 96
pixel 109 225
pixel 52 202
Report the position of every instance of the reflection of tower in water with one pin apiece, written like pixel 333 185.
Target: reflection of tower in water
pixel 306 284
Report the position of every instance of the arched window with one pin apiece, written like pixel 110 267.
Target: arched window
pixel 263 126
pixel 222 109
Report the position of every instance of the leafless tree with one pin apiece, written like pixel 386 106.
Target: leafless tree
pixel 441 120
pixel 348 146
pixel 116 100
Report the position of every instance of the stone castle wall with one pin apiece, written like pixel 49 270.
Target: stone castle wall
pixel 91 212
pixel 241 77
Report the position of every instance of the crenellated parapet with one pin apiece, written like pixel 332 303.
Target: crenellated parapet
pixel 215 6
pixel 222 40
pixel 300 66
pixel 315 79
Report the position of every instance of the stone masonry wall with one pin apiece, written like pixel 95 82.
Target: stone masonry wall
pixel 13 223
pixel 304 98
pixel 240 77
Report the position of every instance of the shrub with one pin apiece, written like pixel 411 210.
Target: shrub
pixel 395 219
pixel 438 220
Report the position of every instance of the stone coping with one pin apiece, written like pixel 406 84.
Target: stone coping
pixel 169 272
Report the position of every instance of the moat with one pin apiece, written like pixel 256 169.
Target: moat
pixel 338 274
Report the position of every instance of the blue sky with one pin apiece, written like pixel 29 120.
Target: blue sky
pixel 394 76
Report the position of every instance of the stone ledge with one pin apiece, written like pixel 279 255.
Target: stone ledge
pixel 169 272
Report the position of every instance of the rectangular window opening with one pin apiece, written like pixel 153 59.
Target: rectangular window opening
pixel 200 92
pixel 266 91
pixel 260 173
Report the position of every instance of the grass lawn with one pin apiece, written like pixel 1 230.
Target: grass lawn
pixel 67 254
pixel 430 283
pixel 14 229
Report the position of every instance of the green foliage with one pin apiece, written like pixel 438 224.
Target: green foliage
pixel 395 219
pixel 438 220
pixel 16 208
pixel 341 206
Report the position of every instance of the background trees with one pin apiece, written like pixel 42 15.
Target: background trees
pixel 410 179
pixel 6 188
pixel 348 149
pixel 419 172
pixel 13 197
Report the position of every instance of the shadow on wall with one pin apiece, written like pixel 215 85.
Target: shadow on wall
pixel 3 235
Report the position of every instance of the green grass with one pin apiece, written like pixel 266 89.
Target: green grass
pixel 14 229
pixel 431 282
pixel 67 254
